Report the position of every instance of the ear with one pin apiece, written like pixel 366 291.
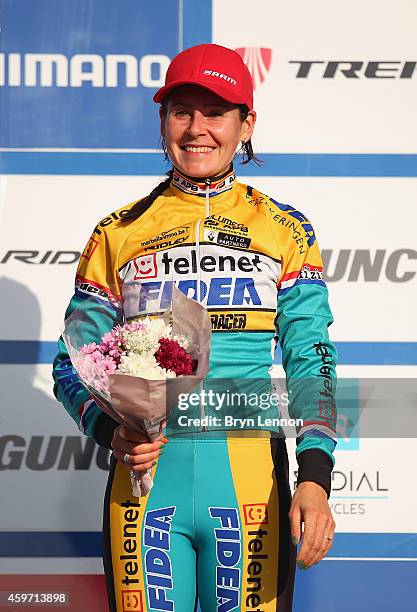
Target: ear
pixel 248 126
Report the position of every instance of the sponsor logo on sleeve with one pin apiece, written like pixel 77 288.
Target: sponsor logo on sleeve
pixel 111 219
pixel 94 289
pixel 90 248
pixel 309 272
pixel 302 230
pixel 326 375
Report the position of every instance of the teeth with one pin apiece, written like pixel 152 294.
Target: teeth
pixel 198 149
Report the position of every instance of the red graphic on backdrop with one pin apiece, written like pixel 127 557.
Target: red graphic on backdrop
pixel 258 60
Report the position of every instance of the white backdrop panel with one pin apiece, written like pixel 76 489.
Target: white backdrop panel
pixel 46 490
pixel 371 487
pixel 339 114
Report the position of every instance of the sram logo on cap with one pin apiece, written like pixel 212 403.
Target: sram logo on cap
pixel 220 75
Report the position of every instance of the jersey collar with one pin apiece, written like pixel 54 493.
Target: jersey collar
pixel 215 185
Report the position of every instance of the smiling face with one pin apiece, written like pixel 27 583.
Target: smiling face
pixel 202 131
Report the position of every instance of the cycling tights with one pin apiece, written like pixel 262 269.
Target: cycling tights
pixel 213 528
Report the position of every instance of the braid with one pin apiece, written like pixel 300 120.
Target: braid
pixel 142 205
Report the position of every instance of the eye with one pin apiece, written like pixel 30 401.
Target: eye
pixel 215 113
pixel 180 113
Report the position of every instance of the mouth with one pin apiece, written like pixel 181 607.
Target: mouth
pixel 197 149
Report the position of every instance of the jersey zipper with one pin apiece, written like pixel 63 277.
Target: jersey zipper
pixel 198 288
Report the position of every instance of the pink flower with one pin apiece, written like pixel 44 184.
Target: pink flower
pixel 88 348
pixel 97 356
pixel 108 338
pixel 108 365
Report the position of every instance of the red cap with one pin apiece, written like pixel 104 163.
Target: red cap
pixel 219 69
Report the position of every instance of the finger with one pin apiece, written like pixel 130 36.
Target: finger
pixel 323 539
pixel 296 524
pixel 161 438
pixel 141 469
pixel 306 551
pixel 137 461
pixel 146 447
pixel 321 544
pixel 133 448
pixel 328 539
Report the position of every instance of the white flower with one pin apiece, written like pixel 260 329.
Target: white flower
pixel 182 341
pixel 146 341
pixel 144 366
pixel 158 327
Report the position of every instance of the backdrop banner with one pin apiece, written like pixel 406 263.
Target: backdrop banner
pixel 79 138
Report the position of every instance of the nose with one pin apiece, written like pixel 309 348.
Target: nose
pixel 197 125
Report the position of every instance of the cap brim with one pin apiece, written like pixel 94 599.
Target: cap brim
pixel 223 92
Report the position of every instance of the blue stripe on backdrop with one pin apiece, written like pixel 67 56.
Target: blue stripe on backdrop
pixel 88 544
pixel 361 586
pixel 350 353
pixel 197 22
pixel 151 164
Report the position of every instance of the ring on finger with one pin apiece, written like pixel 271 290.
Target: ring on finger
pixel 327 538
pixel 126 458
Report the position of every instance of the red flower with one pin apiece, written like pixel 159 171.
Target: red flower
pixel 172 356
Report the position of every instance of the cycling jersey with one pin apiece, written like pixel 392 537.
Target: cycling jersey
pixel 254 263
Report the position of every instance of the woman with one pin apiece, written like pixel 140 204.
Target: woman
pixel 219 522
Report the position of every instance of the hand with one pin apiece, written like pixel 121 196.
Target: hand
pixel 309 506
pixel 142 452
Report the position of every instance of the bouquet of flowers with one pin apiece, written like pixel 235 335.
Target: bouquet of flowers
pixel 136 371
